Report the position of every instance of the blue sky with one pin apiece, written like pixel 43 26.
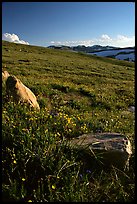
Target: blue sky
pixel 69 23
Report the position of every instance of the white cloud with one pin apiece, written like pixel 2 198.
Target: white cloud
pixel 73 43
pixel 122 37
pixel 124 41
pixel 13 38
pixel 104 39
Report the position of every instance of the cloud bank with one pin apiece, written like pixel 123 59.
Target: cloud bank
pixel 118 41
pixel 13 38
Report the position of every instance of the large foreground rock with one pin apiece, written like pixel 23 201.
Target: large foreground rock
pixel 106 148
pixel 20 92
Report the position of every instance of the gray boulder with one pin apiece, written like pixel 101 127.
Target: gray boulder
pixel 106 148
pixel 131 108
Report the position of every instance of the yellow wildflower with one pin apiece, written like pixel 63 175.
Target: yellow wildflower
pixel 29 200
pixel 53 187
pixel 31 119
pixel 14 162
pixel 69 119
pixel 23 179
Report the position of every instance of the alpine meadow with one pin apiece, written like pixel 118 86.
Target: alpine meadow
pixel 77 94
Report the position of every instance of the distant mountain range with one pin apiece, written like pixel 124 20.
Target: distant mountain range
pixel 127 53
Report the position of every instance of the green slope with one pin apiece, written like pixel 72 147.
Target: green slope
pixel 72 76
pixel 77 94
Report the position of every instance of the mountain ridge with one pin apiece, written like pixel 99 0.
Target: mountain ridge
pixel 127 53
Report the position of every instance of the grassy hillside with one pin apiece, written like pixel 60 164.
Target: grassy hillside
pixel 77 94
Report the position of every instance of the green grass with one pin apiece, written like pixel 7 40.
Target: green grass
pixel 77 94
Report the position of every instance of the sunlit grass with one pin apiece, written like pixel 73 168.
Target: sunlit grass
pixel 77 94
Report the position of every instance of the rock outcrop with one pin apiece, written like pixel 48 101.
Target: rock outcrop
pixel 20 93
pixel 106 148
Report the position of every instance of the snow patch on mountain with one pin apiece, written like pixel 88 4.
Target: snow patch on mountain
pixel 129 56
pixel 106 53
pixel 121 54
